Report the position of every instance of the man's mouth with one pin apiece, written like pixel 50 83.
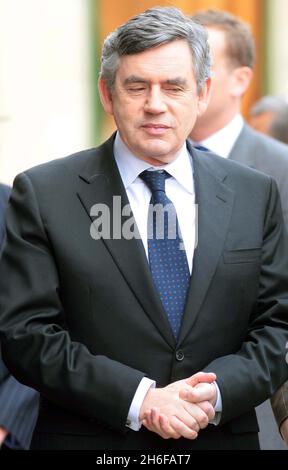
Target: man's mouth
pixel 155 129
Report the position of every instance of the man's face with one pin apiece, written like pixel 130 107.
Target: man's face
pixel 222 77
pixel 154 101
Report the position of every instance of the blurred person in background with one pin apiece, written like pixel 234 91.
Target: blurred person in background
pixel 222 130
pixel 110 328
pixel 269 115
pixel 18 403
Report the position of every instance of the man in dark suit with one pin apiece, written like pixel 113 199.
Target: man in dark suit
pixel 104 319
pixel 222 130
pixel 18 403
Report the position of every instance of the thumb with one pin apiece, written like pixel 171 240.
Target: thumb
pixel 201 377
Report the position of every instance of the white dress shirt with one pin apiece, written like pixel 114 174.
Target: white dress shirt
pixel 223 141
pixel 180 190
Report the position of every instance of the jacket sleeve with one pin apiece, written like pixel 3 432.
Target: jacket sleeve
pixel 18 410
pixel 18 403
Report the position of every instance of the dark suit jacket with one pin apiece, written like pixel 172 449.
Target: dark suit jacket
pixel 267 155
pixel 18 403
pixel 83 323
pixel 270 156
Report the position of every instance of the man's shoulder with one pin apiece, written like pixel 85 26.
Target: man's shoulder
pixel 249 186
pixel 63 170
pixel 58 177
pixel 264 146
pixel 236 170
pixel 64 175
pixel 72 164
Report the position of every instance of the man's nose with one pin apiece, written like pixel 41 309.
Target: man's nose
pixel 155 102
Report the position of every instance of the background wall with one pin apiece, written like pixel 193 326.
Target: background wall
pixel 49 64
pixel 44 82
pixel 275 43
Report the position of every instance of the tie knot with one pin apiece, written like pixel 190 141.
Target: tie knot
pixel 155 180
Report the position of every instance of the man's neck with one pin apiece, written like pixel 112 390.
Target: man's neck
pixel 204 128
pixel 222 141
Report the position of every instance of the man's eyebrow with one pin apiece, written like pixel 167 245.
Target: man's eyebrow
pixel 170 81
pixel 134 79
pixel 176 81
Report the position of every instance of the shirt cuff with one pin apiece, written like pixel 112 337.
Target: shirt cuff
pixel 217 406
pixel 134 410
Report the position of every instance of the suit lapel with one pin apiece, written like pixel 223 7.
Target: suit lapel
pixel 100 182
pixel 215 201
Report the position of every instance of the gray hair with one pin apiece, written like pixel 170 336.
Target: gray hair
pixel 279 125
pixel 278 105
pixel 156 27
pixel 269 104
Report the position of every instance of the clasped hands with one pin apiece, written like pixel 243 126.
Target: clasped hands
pixel 180 409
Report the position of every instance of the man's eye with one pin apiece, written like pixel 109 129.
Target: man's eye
pixel 138 88
pixel 173 89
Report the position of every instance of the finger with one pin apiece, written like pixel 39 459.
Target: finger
pixel 155 424
pixel 206 392
pixel 161 425
pixel 203 392
pixel 147 418
pixel 146 424
pixel 181 428
pixel 201 377
pixel 208 408
pixel 188 413
pixel 150 427
pixel 166 428
pixel 198 415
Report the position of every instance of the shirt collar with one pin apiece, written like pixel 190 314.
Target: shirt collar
pixel 223 141
pixel 131 166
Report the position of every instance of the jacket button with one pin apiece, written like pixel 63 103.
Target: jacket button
pixel 179 355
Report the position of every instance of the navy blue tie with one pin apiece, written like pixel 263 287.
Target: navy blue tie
pixel 167 256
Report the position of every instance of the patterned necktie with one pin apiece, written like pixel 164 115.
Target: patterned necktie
pixel 167 256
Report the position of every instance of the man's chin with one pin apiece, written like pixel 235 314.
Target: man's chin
pixel 157 159
pixel 158 150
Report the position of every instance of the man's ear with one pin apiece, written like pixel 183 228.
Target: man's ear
pixel 105 96
pixel 241 79
pixel 204 97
